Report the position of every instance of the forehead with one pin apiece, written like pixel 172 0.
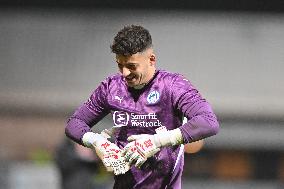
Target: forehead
pixel 135 58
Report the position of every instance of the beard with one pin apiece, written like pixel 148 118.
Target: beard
pixel 135 81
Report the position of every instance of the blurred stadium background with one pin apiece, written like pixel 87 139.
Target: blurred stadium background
pixel 54 53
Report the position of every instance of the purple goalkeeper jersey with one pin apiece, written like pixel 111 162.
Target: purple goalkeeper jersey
pixel 164 101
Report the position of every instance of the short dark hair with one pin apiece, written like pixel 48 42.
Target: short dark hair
pixel 131 40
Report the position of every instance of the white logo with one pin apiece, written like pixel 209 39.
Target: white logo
pixel 120 118
pixel 153 97
pixel 118 98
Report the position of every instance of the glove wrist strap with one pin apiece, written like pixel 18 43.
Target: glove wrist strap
pixel 169 138
pixel 89 139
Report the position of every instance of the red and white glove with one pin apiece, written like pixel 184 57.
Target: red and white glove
pixel 143 146
pixel 110 154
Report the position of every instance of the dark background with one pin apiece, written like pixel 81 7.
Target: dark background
pixel 54 53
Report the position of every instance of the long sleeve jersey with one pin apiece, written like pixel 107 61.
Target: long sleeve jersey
pixel 164 101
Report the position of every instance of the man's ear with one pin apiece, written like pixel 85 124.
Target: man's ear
pixel 152 59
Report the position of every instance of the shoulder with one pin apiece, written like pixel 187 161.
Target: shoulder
pixel 111 81
pixel 115 78
pixel 165 73
pixel 176 83
pixel 170 77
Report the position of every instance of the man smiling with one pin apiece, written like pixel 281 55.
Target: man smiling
pixel 137 69
pixel 145 154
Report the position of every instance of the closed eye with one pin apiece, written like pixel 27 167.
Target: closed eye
pixel 131 66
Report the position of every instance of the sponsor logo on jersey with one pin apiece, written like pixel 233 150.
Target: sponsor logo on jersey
pixel 121 118
pixel 153 97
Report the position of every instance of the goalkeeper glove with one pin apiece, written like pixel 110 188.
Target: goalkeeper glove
pixel 109 153
pixel 144 146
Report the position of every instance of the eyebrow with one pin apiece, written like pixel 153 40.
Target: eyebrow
pixel 127 63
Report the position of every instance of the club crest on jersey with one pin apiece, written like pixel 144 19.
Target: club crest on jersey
pixel 153 97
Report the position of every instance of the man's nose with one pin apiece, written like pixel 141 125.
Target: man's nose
pixel 125 72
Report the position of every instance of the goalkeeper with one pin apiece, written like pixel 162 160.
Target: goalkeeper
pixel 147 105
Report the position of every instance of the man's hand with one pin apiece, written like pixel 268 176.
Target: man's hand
pixel 109 153
pixel 112 158
pixel 140 148
pixel 143 146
